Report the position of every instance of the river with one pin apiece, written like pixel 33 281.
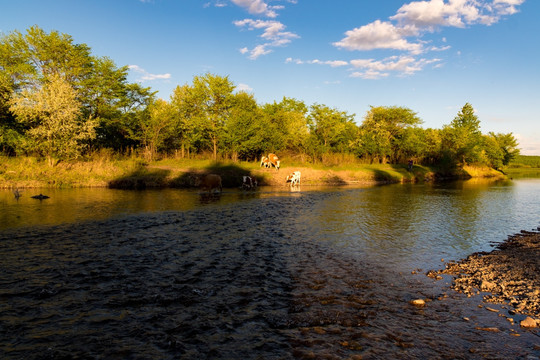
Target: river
pixel 270 274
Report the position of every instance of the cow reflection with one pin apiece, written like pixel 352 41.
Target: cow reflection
pixel 209 197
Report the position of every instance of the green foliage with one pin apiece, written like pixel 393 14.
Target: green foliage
pixel 59 101
pixel 333 129
pixel 245 136
pixel 287 125
pixel 52 113
pixel 383 131
pixel 525 161
pixel 211 100
pixel 462 139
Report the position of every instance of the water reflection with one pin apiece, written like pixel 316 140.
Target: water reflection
pixel 265 274
pixel 414 220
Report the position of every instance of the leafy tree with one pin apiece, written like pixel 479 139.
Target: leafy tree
pixel 508 145
pixel 212 95
pixel 159 117
pixel 383 129
pixel 52 113
pixel 185 108
pixel 35 56
pixel 334 129
pixel 246 135
pixel 287 124
pixel 462 139
pixel 491 152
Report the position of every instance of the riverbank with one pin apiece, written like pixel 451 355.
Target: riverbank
pixel 508 275
pixel 131 173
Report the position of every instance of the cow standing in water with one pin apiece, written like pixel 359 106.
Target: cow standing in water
pixel 274 160
pixel 265 162
pixel 248 183
pixel 294 178
pixel 209 182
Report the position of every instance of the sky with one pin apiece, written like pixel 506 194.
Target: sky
pixel 430 56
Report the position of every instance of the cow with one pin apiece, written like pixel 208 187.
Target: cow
pixel 294 178
pixel 209 182
pixel 265 162
pixel 248 182
pixel 274 160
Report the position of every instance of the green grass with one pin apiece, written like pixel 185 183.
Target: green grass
pixel 103 170
pixel 530 161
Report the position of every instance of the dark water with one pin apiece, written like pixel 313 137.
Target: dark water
pixel 103 274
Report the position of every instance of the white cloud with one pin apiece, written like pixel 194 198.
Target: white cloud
pixel 379 35
pixel 332 63
pixel 507 7
pixel 244 87
pixel 273 33
pixel 296 61
pixel 434 13
pixel 257 7
pixel 418 17
pixel 375 69
pixel 146 76
pixel 528 144
pixel 401 65
pixel 370 74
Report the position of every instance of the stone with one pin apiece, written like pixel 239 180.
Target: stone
pixel 488 286
pixel 418 302
pixel 529 322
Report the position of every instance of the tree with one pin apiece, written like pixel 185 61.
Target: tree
pixel 508 145
pixel 462 139
pixel 159 117
pixel 287 124
pixel 33 57
pixel 246 136
pixel 212 95
pixel 382 131
pixel 334 129
pixel 466 119
pixel 52 113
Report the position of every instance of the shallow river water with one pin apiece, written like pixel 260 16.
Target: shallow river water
pixel 271 274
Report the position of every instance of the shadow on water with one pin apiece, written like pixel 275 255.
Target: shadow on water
pixel 151 177
pixel 142 178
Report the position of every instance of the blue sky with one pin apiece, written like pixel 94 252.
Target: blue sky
pixel 430 56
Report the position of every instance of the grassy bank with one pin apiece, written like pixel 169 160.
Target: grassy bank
pixel 524 166
pixel 134 173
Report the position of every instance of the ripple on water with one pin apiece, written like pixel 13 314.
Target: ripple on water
pixel 255 279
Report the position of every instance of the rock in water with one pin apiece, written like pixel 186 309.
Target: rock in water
pixel 529 322
pixel 40 197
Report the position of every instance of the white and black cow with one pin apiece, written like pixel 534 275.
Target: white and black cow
pixel 294 178
pixel 249 183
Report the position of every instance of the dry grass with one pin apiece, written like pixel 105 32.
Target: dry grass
pixel 108 170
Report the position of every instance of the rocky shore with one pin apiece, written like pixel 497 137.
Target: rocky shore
pixel 509 275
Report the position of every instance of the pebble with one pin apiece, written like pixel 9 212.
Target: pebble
pixel 529 322
pixel 418 302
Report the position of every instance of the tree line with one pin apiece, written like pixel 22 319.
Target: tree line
pixel 60 102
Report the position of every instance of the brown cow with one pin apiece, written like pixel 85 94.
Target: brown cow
pixel 274 160
pixel 209 182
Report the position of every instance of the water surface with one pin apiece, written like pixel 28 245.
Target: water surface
pixel 319 273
